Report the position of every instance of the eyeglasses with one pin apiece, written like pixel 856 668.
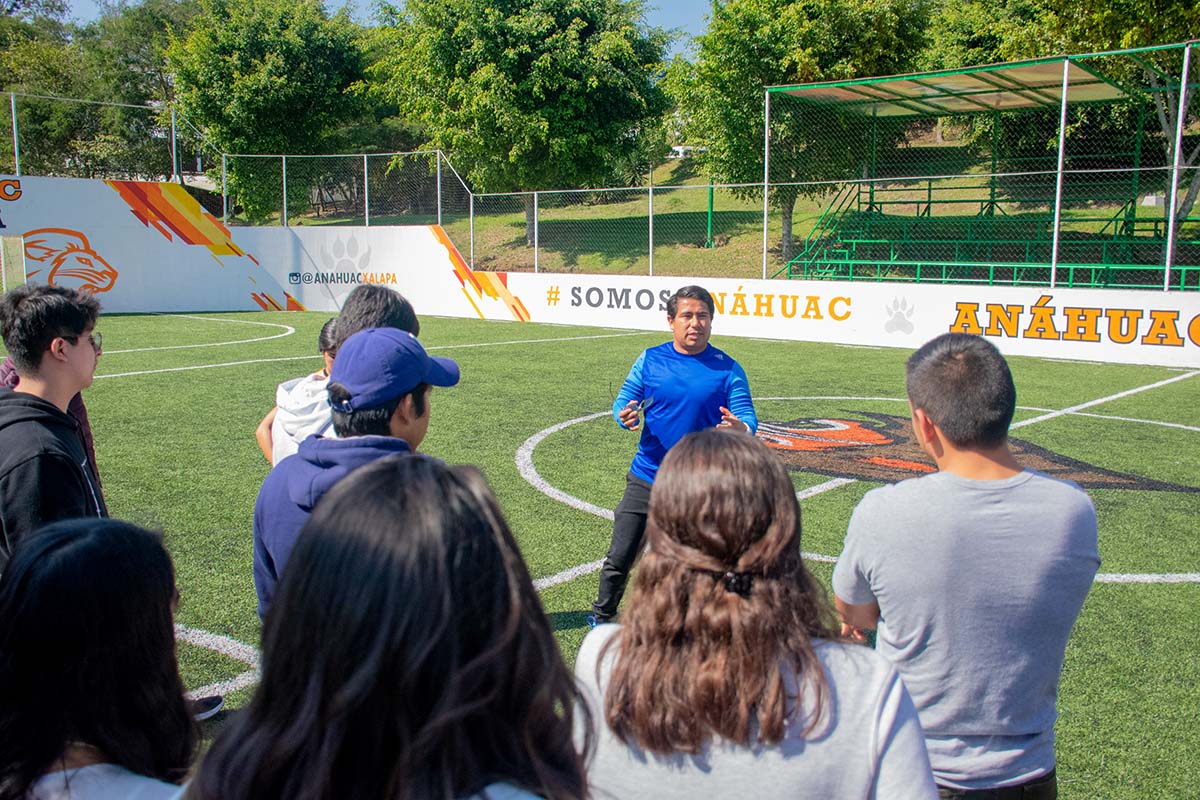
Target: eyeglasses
pixel 95 339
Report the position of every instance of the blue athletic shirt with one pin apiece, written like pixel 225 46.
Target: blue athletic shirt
pixel 683 393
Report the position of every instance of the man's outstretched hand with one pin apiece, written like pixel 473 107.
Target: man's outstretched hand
pixel 728 420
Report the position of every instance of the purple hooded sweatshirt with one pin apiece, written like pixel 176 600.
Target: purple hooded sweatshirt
pixel 291 492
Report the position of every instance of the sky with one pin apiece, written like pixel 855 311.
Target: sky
pixel 688 16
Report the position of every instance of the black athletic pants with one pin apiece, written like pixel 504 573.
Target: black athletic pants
pixel 629 529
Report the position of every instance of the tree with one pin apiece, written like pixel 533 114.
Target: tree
pixel 526 94
pixel 1142 23
pixel 755 43
pixel 267 77
pixel 984 31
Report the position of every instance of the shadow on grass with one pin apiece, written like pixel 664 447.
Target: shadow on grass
pixel 568 620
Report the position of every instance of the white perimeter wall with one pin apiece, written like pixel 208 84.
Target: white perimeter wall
pixel 144 247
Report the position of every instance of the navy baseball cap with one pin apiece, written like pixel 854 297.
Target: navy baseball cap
pixel 377 365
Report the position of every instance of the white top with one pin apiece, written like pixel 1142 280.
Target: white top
pixel 100 782
pixel 504 791
pixel 302 409
pixel 867 745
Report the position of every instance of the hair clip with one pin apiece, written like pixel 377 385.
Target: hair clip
pixel 739 582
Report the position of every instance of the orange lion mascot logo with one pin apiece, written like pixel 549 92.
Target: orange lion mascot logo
pixel 72 261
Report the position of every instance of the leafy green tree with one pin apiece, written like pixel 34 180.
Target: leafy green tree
pixel 267 77
pixel 526 94
pixel 1141 23
pixel 985 31
pixel 37 58
pixel 755 43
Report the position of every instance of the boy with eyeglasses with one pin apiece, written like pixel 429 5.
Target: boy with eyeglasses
pixel 45 470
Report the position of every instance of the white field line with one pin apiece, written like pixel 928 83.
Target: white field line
pixel 228 647
pixel 288 330
pixel 541 584
pixel 525 466
pixel 315 356
pixel 222 688
pixel 813 491
pixel 1099 401
pixel 1134 419
pixel 1143 577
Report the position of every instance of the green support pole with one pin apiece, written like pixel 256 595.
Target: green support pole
pixel 871 174
pixel 991 206
pixel 708 242
pixel 1130 226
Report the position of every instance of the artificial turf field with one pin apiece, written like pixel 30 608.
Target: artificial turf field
pixel 177 398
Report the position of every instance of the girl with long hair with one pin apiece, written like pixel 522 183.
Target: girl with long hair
pixel 726 676
pixel 405 655
pixel 91 703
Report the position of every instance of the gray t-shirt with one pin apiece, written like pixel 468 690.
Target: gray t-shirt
pixel 978 584
pixel 867 745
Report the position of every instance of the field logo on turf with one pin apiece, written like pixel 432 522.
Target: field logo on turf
pixel 882 447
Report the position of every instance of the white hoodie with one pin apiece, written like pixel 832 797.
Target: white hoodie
pixel 302 409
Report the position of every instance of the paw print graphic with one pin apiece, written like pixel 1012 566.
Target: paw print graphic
pixel 344 256
pixel 899 314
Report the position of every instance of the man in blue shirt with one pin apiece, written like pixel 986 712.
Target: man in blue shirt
pixel 678 387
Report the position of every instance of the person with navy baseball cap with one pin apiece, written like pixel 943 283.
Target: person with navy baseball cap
pixel 379 392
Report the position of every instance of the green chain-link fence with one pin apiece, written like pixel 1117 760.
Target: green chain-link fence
pixel 985 175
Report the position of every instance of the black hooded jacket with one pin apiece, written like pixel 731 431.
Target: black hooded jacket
pixel 44 473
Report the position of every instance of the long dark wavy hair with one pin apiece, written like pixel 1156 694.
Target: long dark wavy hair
pixel 722 606
pixel 405 656
pixel 87 654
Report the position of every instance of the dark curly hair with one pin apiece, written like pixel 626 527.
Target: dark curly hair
pixel 722 605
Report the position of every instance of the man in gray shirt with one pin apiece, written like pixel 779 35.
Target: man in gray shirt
pixel 973 576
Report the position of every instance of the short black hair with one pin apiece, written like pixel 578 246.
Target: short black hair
pixel 692 293
pixel 370 421
pixel 33 316
pixel 373 306
pixel 327 338
pixel 964 385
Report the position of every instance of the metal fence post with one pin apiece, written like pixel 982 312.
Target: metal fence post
pixel 366 193
pixel 471 220
pixel 439 185
pixel 285 217
pixel 1181 107
pixel 224 194
pixel 651 193
pixel 1058 184
pixel 535 232
pixel 174 148
pixel 766 171
pixel 12 104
